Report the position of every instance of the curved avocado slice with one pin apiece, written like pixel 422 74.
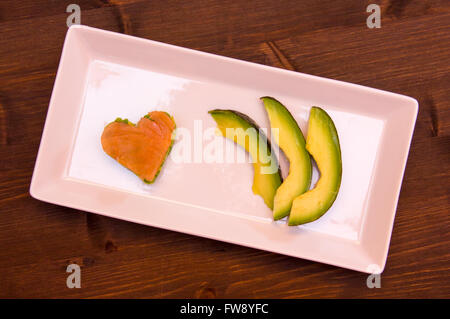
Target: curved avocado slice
pixel 244 131
pixel 289 138
pixel 323 144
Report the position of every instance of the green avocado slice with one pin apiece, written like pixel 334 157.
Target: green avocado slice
pixel 323 144
pixel 289 137
pixel 244 131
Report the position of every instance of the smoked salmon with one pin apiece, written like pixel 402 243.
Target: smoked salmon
pixel 142 148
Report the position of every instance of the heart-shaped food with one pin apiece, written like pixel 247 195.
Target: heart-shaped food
pixel 141 148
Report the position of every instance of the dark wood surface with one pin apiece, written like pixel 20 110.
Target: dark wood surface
pixel 409 54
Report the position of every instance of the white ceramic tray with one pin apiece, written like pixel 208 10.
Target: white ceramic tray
pixel 103 75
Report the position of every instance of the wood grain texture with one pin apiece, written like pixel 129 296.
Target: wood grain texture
pixel 409 54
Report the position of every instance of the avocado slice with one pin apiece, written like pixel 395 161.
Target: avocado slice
pixel 289 137
pixel 322 143
pixel 244 131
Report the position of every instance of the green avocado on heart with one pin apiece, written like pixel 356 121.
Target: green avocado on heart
pixel 289 137
pixel 244 131
pixel 322 143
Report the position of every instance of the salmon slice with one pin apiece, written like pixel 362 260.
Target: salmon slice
pixel 141 148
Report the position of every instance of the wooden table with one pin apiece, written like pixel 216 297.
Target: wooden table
pixel 409 54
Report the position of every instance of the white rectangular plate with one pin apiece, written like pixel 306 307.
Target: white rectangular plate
pixel 104 75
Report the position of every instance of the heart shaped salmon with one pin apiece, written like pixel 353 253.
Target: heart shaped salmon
pixel 141 148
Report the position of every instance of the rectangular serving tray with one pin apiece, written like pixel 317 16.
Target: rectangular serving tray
pixel 104 75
